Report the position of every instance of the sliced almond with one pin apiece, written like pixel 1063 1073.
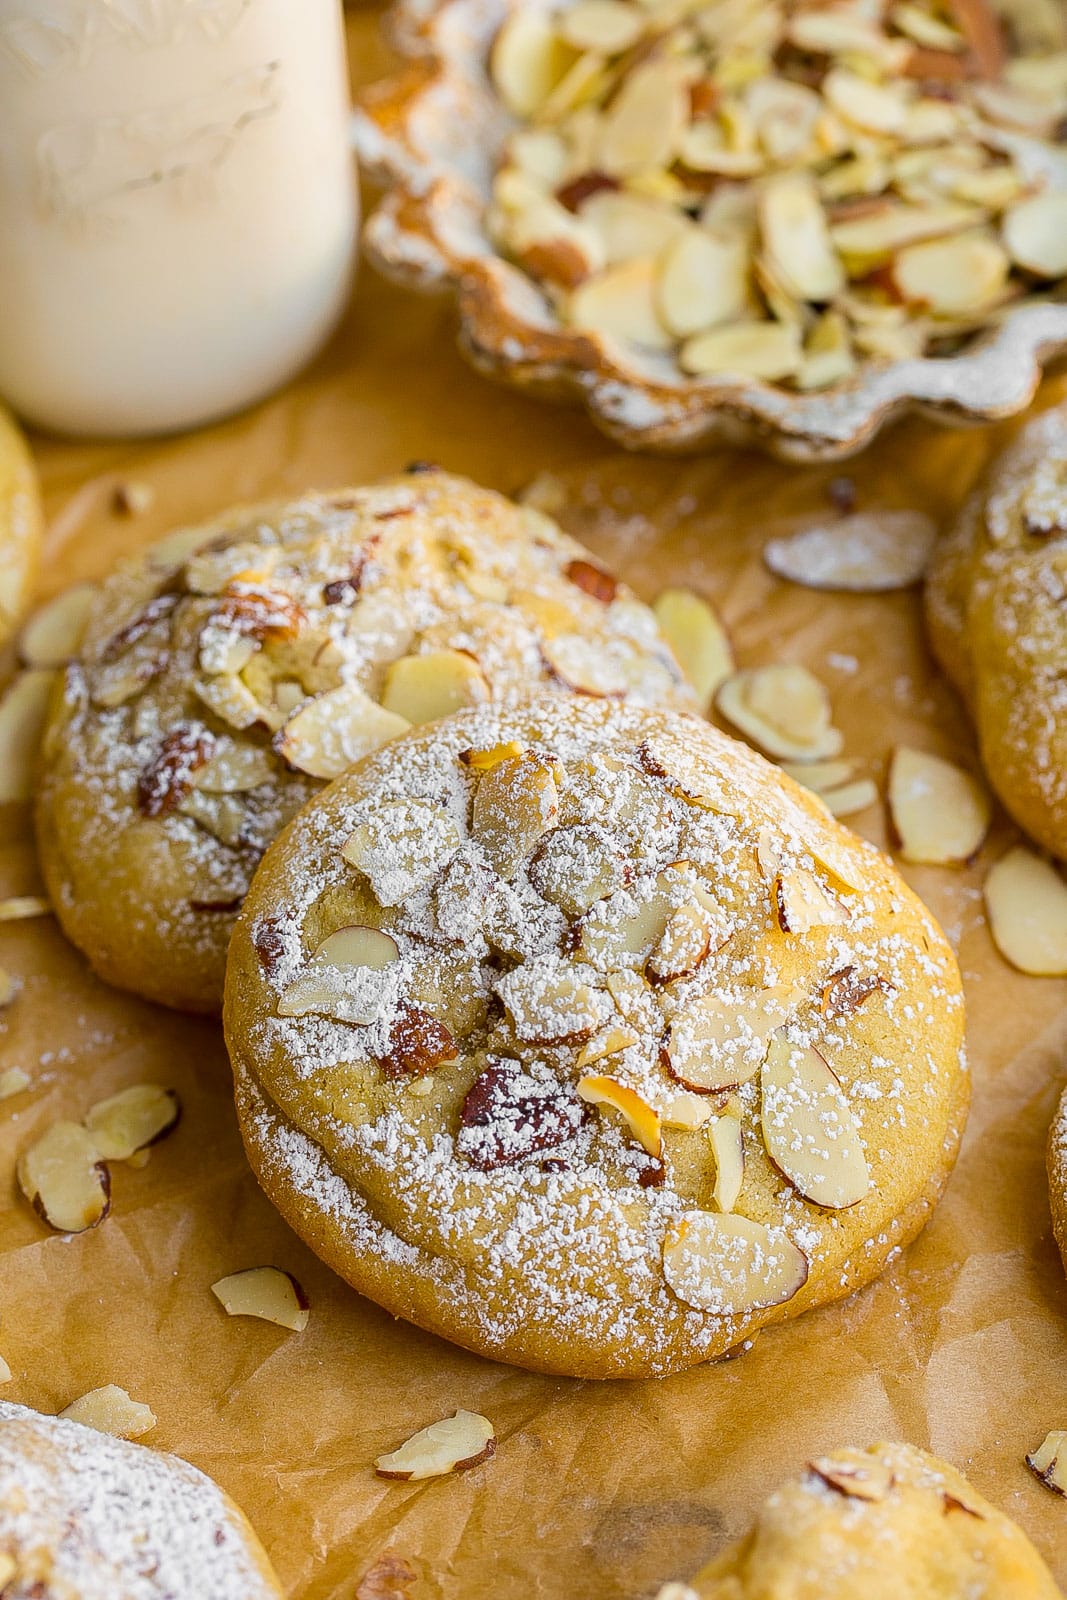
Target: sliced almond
pixel 403 847
pixel 697 638
pixel 482 760
pixel 132 1120
pixel 802 903
pixel 515 805
pixel 717 1044
pixel 23 711
pixel 644 1120
pixel 685 943
pixel 20 907
pixel 941 814
pixel 875 107
pixel 869 552
pixel 704 280
pixel 630 226
pixel 680 1108
pixel 729 1265
pixel 809 1128
pixel 604 25
pixel 767 350
pixel 873 238
pixel 6 1376
pixel 1035 233
pixel 236 769
pixel 727 1145
pixel 855 1473
pixel 53 634
pixel 849 799
pixel 110 1410
pixel 13 1081
pixel 528 60
pixel 422 688
pixel 1026 903
pixel 264 1292
pixel 575 867
pixel 460 1441
pixel 796 238
pixel 328 734
pixel 1049 1461
pixel 784 710
pixel 952 277
pixel 611 1042
pixel 334 982
pixel 63 1178
pixel 642 127
pixel 621 303
pixel 551 1003
pixel 583 665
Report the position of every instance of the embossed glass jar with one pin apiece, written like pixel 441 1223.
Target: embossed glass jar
pixel 178 208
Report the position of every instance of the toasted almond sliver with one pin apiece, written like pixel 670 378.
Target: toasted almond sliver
pixel 808 1126
pixel 784 709
pixel 940 812
pixel 19 907
pixel 684 1109
pixel 868 552
pixel 952 277
pixel 551 1004
pixel 698 639
pixel 795 237
pixel 264 1292
pixel 729 1265
pixel 528 60
pixel 620 303
pixel 110 1410
pixel 53 634
pixel 132 1120
pixel 63 1178
pixel 1026 902
pixel 609 1043
pixel 1049 1461
pixel 644 1120
pixel 1035 233
pixel 766 350
pixel 23 710
pixel 460 1441
pixel 704 280
pixel 728 1149
pixel 326 735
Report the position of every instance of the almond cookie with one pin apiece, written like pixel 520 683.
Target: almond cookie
pixel 84 1516
pixel 579 1034
pixel 228 673
pixel 888 1523
pixel 995 607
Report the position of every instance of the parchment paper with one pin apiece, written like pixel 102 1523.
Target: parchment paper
pixel 596 1491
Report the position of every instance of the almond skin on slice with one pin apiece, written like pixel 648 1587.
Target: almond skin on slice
pixel 452 1445
pixel 110 1410
pixel 53 634
pixel 508 1115
pixel 326 735
pixel 869 552
pixel 63 1178
pixel 729 1265
pixel 132 1120
pixel 23 709
pixel 783 709
pixel 808 1126
pixel 422 688
pixel 684 945
pixel 482 760
pixel 264 1292
pixel 1026 903
pixel 940 813
pixel 644 1120
pixel 418 1044
pixel 697 638
pixel 1049 1461
pixel 593 581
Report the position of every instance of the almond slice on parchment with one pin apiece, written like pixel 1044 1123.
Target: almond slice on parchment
pixel 1026 903
pixel 1049 1461
pixel 869 552
pixel 940 813
pixel 729 1265
pixel 111 1410
pixel 264 1292
pixel 132 1120
pixel 62 1176
pixel 698 639
pixel 809 1128
pixel 458 1442
pixel 23 710
pixel 783 709
pixel 53 634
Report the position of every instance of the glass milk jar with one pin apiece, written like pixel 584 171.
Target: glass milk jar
pixel 178 205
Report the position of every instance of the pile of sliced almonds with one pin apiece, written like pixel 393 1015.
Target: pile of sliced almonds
pixel 64 1174
pixel 780 191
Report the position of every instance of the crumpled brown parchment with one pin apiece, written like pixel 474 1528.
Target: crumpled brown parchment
pixel 598 1491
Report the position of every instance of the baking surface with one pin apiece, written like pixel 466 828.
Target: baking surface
pixel 595 1491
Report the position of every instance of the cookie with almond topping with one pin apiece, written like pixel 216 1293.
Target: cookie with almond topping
pixel 579 1034
pixel 995 605
pixel 888 1523
pixel 226 674
pixel 86 1515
